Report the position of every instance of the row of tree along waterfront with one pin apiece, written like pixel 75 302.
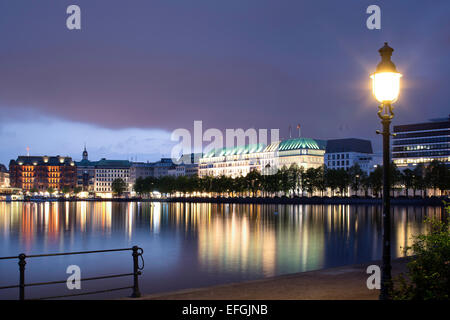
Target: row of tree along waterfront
pixel 295 181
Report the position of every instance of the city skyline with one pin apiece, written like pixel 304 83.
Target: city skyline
pixel 122 88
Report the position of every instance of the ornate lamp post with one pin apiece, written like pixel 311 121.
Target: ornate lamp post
pixel 386 88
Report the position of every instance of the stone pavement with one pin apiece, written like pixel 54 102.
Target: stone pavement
pixel 341 283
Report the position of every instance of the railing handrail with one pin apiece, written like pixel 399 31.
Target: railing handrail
pixel 137 252
pixel 64 253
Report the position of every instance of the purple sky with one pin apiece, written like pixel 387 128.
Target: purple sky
pixel 140 69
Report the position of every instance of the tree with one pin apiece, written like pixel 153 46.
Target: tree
pixel 376 180
pixel 356 174
pixel 395 176
pixel 331 180
pixel 419 182
pixel 408 180
pixel 437 176
pixel 65 190
pixel 428 275
pixel 311 178
pixel 320 182
pixel 139 186
pixel 118 186
pixel 77 190
pixel 365 184
pixel 50 190
pixel 343 181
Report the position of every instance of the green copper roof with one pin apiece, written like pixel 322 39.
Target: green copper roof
pixel 285 145
pixel 252 148
pixel 302 143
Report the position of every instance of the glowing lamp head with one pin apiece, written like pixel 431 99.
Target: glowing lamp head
pixel 386 79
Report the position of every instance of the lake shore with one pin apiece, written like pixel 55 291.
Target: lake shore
pixel 340 283
pixel 401 201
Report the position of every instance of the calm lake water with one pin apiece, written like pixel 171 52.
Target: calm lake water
pixel 191 245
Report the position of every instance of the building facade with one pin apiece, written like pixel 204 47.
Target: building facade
pixel 86 173
pixel 4 177
pixel 40 173
pixel 140 170
pixel 421 143
pixel 161 168
pixel 106 171
pixel 241 160
pixel 231 162
pixel 345 153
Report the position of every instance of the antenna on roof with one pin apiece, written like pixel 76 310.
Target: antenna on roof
pixel 299 130
pixel 290 131
pixel 28 151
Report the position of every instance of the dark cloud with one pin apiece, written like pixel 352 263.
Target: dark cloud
pixel 264 64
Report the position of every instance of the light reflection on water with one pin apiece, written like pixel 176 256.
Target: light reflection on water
pixel 193 245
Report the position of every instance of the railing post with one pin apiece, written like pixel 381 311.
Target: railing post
pixel 22 264
pixel 136 293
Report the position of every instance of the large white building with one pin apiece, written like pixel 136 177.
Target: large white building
pixel 240 160
pixel 106 171
pixel 344 153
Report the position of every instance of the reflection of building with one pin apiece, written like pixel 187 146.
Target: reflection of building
pixel 106 171
pixel 344 153
pixel 42 172
pixel 86 172
pixel 421 143
pixel 4 177
pixel 239 161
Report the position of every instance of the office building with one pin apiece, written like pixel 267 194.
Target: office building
pixel 421 143
pixel 344 153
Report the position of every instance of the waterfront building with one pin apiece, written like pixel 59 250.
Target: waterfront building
pixel 42 172
pixel 140 170
pixel 190 158
pixel 164 167
pixel 106 171
pixel 344 153
pixel 86 172
pixel 4 177
pixel 241 160
pixel 303 152
pixel 177 171
pixel 190 169
pixel 421 143
pixel 161 168
pixel 231 162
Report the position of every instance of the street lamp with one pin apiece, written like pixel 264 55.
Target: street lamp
pixel 386 88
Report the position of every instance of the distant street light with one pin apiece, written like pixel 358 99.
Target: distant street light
pixel 386 88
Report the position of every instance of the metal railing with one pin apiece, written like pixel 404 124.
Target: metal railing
pixel 136 253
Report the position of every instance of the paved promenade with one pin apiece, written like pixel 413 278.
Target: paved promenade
pixel 341 283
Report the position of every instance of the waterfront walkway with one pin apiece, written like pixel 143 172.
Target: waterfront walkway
pixel 341 283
